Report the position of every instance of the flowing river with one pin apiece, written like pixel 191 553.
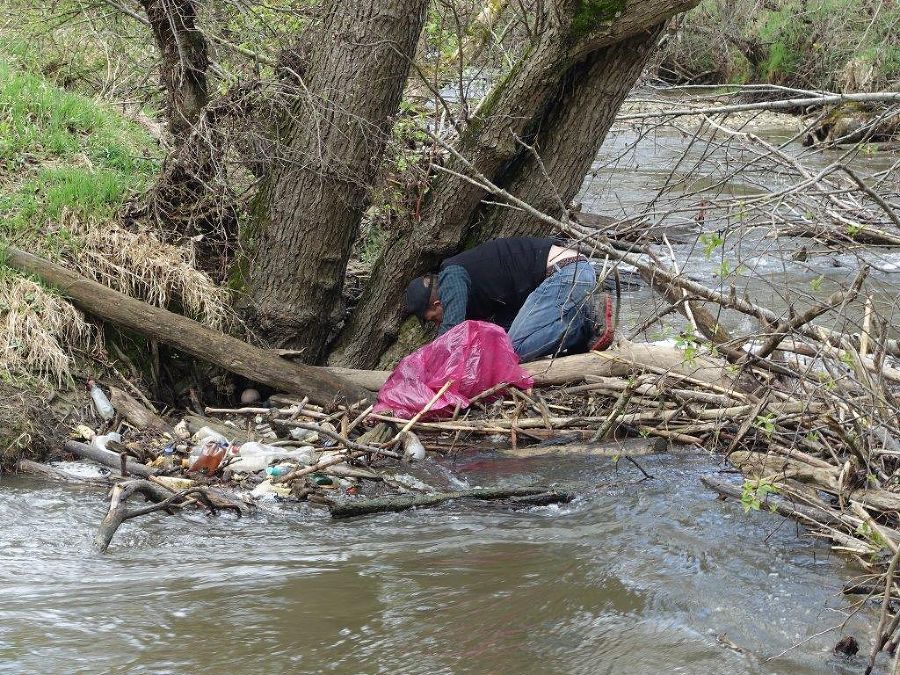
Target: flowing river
pixel 635 576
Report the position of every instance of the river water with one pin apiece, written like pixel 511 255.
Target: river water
pixel 635 576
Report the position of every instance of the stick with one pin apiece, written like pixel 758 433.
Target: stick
pixel 882 638
pixel 419 414
pixel 402 503
pixel 616 412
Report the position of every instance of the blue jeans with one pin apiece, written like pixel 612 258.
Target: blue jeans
pixel 558 315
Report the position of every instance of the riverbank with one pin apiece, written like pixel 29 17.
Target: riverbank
pixel 829 46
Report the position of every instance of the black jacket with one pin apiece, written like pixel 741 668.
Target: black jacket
pixel 503 273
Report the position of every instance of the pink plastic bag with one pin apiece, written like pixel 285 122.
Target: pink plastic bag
pixel 475 355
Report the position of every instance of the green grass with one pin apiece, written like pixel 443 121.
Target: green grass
pixel 60 150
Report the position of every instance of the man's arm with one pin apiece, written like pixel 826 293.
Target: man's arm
pixel 453 290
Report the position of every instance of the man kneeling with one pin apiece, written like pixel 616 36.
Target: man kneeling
pixel 539 292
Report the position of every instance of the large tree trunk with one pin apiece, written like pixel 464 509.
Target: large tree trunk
pixel 184 61
pixel 574 61
pixel 308 210
pixel 569 139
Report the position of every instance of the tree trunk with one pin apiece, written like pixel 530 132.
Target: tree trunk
pixel 528 105
pixel 184 61
pixel 569 139
pixel 308 210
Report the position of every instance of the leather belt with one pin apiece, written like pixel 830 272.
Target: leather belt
pixel 556 267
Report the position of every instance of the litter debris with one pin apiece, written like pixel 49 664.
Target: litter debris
pixel 101 403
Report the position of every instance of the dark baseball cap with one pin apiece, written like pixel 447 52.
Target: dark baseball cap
pixel 418 297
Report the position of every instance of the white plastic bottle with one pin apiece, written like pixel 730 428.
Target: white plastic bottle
pixel 101 403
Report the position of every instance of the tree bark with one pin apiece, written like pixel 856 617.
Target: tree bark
pixel 308 210
pixel 531 103
pixel 569 138
pixel 185 60
pixel 189 336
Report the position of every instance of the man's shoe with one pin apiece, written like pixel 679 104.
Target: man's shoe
pixel 604 331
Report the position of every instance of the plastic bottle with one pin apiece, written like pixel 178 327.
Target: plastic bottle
pixel 255 456
pixel 101 441
pixel 210 458
pixel 101 403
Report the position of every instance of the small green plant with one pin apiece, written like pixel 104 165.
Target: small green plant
pixel 754 493
pixel 711 241
pixel 688 344
pixel 854 229
pixel 870 534
pixel 847 359
pixel 722 270
pixel 766 423
pixel 816 284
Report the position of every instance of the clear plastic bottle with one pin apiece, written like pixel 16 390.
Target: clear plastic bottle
pixel 101 403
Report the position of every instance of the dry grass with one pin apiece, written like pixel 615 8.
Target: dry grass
pixel 143 267
pixel 29 428
pixel 39 331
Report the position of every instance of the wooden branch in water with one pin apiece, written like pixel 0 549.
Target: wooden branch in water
pixel 26 466
pixel 638 448
pixel 107 458
pixel 805 515
pixel 164 500
pixel 187 335
pixel 404 502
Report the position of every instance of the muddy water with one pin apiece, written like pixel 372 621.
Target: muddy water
pixel 633 577
pixel 629 175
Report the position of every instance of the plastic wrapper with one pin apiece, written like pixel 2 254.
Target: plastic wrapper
pixel 475 356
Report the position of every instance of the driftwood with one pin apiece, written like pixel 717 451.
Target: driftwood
pixel 187 335
pixel 404 502
pixel 631 448
pixel 162 498
pixel 624 359
pixel 49 472
pixel 137 413
pixel 108 458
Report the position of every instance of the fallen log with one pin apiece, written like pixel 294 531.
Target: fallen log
pixel 48 472
pixel 189 336
pixel 108 458
pixel 624 359
pixel 136 413
pixel 404 502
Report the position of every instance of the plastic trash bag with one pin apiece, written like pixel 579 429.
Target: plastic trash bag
pixel 475 355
